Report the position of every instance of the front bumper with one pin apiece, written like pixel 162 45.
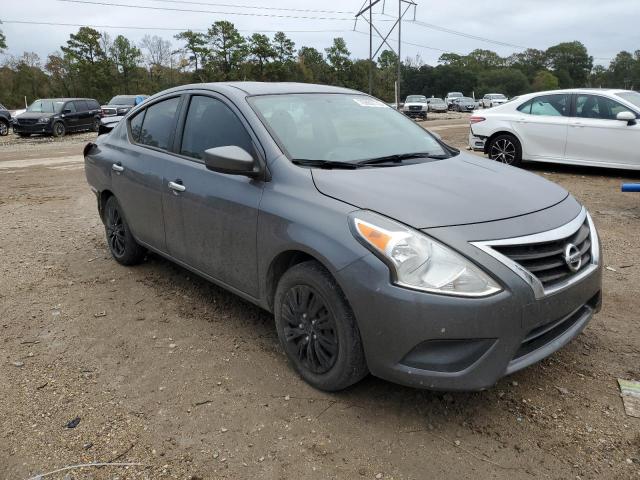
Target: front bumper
pixel 35 128
pixel 415 113
pixel 450 343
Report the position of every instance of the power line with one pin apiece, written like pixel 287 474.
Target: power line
pixel 466 35
pixel 189 10
pixel 304 10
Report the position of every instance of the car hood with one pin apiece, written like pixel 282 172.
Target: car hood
pixel 29 115
pixel 461 190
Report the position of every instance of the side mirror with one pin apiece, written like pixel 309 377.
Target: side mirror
pixel 232 160
pixel 627 116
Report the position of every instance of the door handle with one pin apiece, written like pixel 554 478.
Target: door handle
pixel 177 186
pixel 117 167
pixel 577 125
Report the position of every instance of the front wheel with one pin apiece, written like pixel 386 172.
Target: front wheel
pixel 59 129
pixel 95 126
pixel 4 128
pixel 123 247
pixel 317 328
pixel 506 149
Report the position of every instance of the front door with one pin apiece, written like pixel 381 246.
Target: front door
pixel 211 218
pixel 597 137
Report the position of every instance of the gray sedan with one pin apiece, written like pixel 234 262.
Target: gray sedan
pixel 377 247
pixel 464 104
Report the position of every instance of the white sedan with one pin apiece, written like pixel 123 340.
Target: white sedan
pixel 595 127
pixel 491 100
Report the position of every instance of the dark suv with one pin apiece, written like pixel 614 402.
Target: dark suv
pixel 57 116
pixel 5 121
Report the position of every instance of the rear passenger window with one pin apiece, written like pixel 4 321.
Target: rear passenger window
pixel 547 105
pixel 81 105
pixel 136 126
pixel 158 124
pixel 71 107
pixel 93 105
pixel 210 123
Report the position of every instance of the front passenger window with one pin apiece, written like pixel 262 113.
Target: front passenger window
pixel 210 123
pixel 595 106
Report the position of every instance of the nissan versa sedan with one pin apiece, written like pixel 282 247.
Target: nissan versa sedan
pixel 377 247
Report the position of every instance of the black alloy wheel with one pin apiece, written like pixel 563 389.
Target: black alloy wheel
pixel 310 330
pixel 115 232
pixel 4 128
pixel 123 247
pixel 505 149
pixel 59 129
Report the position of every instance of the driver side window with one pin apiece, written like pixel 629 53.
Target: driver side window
pixel 595 106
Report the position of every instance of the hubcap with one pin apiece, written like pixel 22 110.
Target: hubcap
pixel 59 129
pixel 310 329
pixel 503 151
pixel 3 128
pixel 115 232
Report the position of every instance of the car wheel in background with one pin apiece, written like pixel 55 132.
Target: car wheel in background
pixel 4 128
pixel 59 129
pixel 96 125
pixel 506 149
pixel 123 247
pixel 317 329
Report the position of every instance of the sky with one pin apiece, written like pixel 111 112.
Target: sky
pixel 605 27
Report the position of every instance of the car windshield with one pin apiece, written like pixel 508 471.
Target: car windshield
pixel 46 106
pixel 417 99
pixel 123 100
pixel 498 96
pixel 631 97
pixel 436 100
pixel 344 128
pixel 454 94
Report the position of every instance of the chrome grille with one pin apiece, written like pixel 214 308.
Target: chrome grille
pixel 546 261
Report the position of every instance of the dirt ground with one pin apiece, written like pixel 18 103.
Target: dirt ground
pixel 171 373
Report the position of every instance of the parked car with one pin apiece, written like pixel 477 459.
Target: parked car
pixel 5 121
pixel 493 99
pixel 436 104
pixel 121 104
pixel 597 127
pixel 464 104
pixel 416 106
pixel 377 247
pixel 58 116
pixel 451 96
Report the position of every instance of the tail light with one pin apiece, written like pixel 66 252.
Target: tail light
pixel 475 119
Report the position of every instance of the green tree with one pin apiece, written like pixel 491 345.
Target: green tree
pixel 338 58
pixel 573 59
pixel 480 59
pixel 623 70
pixel 261 51
pixel 312 67
pixel 196 46
pixel 228 50
pixel 509 81
pixel 529 62
pixel 84 46
pixel 284 47
pixel 544 80
pixel 126 58
pixel 3 42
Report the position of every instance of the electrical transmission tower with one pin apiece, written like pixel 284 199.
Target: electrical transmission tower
pixel 403 8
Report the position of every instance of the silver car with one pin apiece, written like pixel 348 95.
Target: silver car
pixel 464 104
pixel 377 247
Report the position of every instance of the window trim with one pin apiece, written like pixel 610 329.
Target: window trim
pixel 169 150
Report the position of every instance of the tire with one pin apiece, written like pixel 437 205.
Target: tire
pixel 506 149
pixel 123 247
pixel 24 135
pixel 95 126
pixel 329 358
pixel 4 128
pixel 58 129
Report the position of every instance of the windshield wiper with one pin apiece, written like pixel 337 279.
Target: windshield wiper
pixel 324 163
pixel 400 157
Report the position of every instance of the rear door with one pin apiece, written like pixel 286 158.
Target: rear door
pixel 84 116
pixel 70 115
pixel 597 137
pixel 211 218
pixel 542 124
pixel 138 172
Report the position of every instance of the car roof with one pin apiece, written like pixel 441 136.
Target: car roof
pixel 266 88
pixel 63 99
pixel 581 90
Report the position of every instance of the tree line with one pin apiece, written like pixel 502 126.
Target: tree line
pixel 94 64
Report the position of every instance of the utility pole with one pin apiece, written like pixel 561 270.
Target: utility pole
pixel 403 7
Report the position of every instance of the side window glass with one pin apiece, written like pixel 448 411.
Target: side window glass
pixel 71 107
pixel 550 105
pixel 136 126
pixel 525 107
pixel 209 124
pixel 595 106
pixel 81 106
pixel 159 124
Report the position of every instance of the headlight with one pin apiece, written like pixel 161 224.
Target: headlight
pixel 419 262
pixel 122 111
pixel 44 120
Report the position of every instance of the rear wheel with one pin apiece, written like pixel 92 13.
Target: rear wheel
pixel 505 149
pixel 95 126
pixel 4 128
pixel 59 129
pixel 317 329
pixel 123 247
